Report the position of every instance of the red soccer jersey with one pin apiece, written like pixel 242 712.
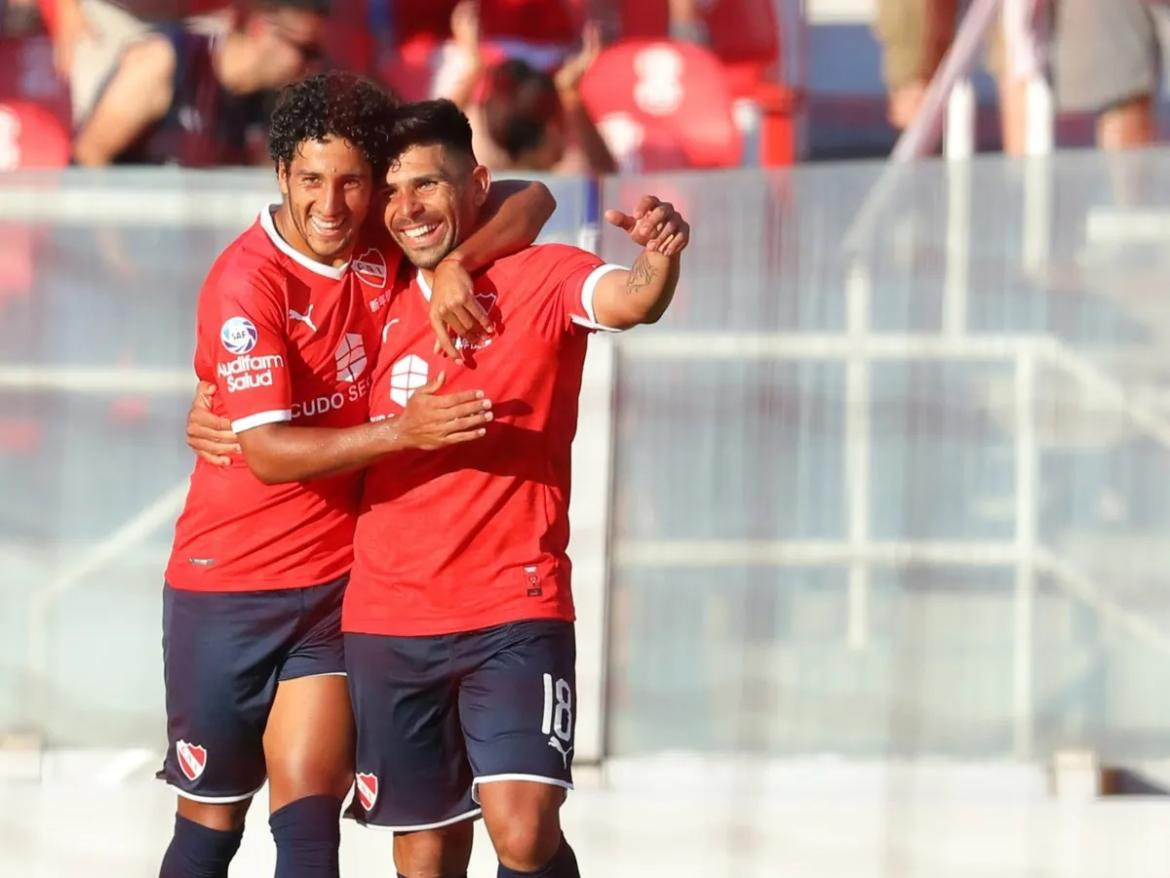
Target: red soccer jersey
pixel 283 338
pixel 475 535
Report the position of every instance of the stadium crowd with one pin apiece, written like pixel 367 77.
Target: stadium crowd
pixel 547 83
pixel 192 81
pixel 1104 58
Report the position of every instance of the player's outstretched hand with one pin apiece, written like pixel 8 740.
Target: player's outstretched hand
pixel 454 309
pixel 208 435
pixel 655 225
pixel 432 421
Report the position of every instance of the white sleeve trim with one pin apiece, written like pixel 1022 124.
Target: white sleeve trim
pixel 260 419
pixel 587 290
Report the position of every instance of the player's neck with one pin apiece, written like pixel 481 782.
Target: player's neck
pixel 282 222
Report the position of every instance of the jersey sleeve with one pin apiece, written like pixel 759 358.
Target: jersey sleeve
pixel 244 345
pixel 572 275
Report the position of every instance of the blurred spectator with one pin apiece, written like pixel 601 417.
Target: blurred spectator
pixel 89 36
pixel 195 99
pixel 427 60
pixel 684 20
pixel 916 35
pixel 687 23
pixel 1109 62
pixel 539 31
pixel 19 17
pixel 907 65
pixel 523 117
pixel 737 31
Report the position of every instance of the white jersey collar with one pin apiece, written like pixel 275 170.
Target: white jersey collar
pixel 423 285
pixel 269 226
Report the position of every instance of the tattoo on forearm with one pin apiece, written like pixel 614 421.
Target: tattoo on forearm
pixel 642 274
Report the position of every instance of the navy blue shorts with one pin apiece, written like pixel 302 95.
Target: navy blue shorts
pixel 223 655
pixel 437 716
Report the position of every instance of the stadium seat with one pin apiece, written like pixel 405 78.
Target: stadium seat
pixel 661 104
pixel 31 137
pixel 34 107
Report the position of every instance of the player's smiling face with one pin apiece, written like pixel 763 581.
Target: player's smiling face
pixel 327 190
pixel 434 197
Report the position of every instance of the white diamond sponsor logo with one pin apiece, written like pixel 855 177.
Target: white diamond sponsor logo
pixel 351 357
pixel 407 376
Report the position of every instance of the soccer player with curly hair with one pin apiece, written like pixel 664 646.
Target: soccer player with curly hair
pixel 290 321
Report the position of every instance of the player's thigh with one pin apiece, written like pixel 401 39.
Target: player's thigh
pixel 518 706
pixel 434 853
pixel 412 767
pixel 221 659
pixel 309 740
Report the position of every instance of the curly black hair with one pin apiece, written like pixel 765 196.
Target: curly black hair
pixel 333 104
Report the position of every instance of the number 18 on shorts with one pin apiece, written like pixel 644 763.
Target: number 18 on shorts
pixel 437 716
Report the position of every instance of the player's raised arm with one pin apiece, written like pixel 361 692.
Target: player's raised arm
pixel 282 452
pixel 642 294
pixel 510 220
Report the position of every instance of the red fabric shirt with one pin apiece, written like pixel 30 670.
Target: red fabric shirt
pixel 284 339
pixel 475 535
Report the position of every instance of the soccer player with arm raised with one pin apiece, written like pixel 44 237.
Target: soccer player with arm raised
pixel 458 618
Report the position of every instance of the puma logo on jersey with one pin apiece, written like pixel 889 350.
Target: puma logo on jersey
pixel 306 318
pixel 555 743
pixel 386 328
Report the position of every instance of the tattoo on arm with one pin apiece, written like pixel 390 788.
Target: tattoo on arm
pixel 641 275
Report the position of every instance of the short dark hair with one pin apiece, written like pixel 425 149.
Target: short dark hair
pixel 333 104
pixel 428 123
pixel 520 103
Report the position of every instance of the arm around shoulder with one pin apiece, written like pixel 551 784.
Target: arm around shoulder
pixel 512 217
